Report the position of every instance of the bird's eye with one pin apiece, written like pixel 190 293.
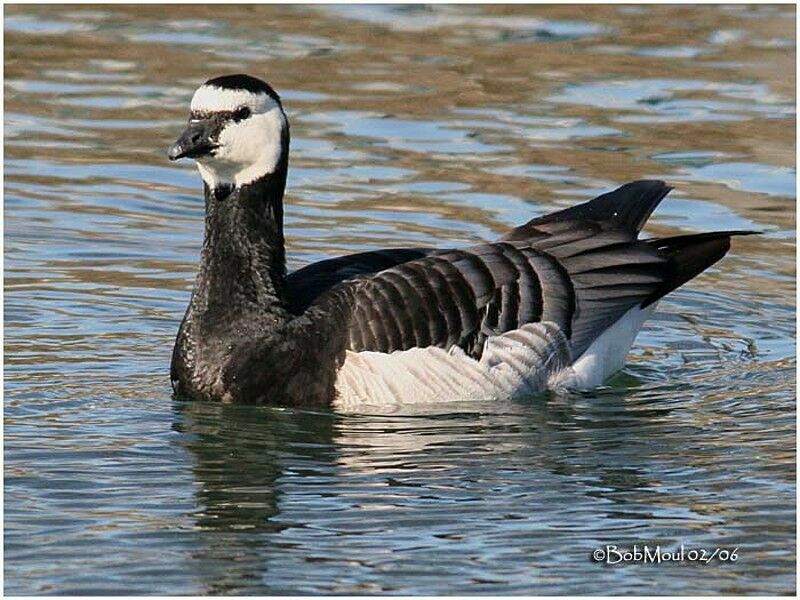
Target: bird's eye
pixel 241 113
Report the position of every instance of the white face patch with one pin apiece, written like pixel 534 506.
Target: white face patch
pixel 247 149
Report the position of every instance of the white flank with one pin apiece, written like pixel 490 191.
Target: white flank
pixel 248 149
pixel 519 362
pixel 607 353
pixel 522 362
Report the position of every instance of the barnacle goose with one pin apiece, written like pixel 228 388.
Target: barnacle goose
pixel 556 302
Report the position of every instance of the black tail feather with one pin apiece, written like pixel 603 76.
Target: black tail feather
pixel 689 255
pixel 628 207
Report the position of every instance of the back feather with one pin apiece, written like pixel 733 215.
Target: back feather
pixel 626 208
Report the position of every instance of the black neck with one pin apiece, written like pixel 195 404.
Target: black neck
pixel 243 269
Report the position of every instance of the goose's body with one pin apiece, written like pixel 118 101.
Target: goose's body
pixel 556 302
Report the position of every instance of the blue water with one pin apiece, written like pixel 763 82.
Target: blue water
pixel 414 125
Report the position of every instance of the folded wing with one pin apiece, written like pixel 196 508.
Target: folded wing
pixel 579 269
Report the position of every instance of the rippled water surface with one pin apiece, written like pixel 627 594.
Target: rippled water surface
pixel 411 126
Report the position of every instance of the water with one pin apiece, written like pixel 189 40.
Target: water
pixel 411 126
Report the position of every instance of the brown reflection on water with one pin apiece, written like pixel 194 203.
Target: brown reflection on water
pixel 115 81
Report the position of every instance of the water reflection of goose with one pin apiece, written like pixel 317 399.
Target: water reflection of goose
pixel 241 457
pixel 557 302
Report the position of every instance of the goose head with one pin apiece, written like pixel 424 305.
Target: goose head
pixel 237 131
